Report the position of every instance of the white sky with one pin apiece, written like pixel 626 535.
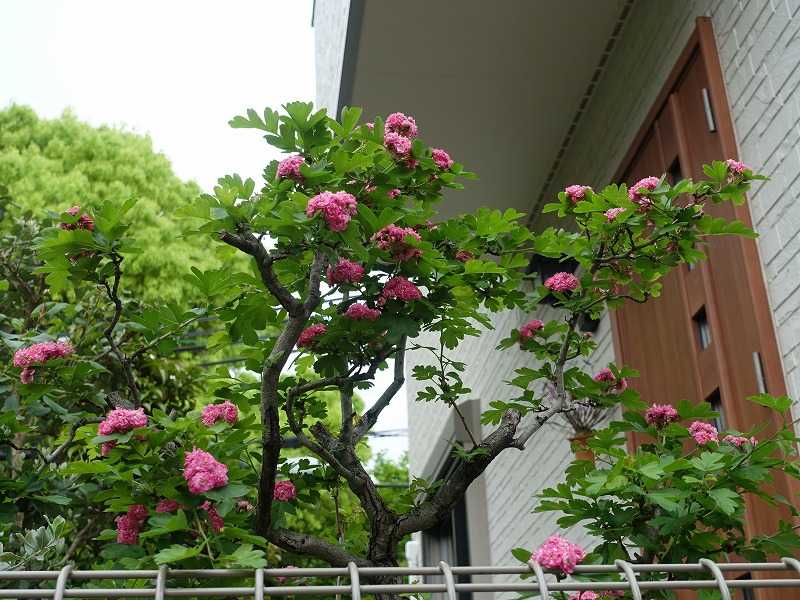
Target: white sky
pixel 175 70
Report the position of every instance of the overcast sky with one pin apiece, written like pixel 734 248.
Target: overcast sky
pixel 176 71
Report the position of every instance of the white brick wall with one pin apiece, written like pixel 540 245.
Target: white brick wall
pixel 759 44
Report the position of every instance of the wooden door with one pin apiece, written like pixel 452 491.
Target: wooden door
pixel 710 335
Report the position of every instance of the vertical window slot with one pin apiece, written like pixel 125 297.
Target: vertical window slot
pixel 703 328
pixel 715 400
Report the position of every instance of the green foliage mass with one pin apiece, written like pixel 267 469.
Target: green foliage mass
pixel 52 164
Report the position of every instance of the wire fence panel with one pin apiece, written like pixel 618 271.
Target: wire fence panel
pixel 362 581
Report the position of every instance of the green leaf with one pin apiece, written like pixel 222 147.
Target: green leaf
pixel 521 554
pixel 780 404
pixel 86 468
pixel 175 553
pixel 232 490
pixel 709 461
pixel 725 499
pixel 246 556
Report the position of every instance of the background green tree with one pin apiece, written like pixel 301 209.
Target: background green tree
pixel 52 164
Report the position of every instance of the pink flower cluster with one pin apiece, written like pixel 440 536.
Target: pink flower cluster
pixel 615 386
pixel 310 334
pixel 226 411
pixel 401 124
pixel 203 472
pixel 217 522
pixel 559 553
pixel 638 190
pixel 337 208
pixel 397 144
pixel 83 222
pixel 442 159
pixel 166 505
pixel 561 282
pixel 464 255
pixel 739 441
pixel 530 328
pixel 130 524
pixel 393 239
pixel 613 213
pixel 122 420
pixel 362 312
pixel 345 271
pixel 576 193
pixel 284 491
pixel 703 433
pixel 38 354
pixel 394 193
pixel 289 168
pixel 400 288
pixel 736 167
pixel 661 415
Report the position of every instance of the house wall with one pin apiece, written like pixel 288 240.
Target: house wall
pixel 759 47
pixel 330 35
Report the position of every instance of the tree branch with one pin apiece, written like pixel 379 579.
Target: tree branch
pixel 250 244
pixel 439 505
pixel 370 417
pixel 303 543
pixel 112 291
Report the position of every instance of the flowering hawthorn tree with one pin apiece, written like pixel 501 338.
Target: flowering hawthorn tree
pixel 348 266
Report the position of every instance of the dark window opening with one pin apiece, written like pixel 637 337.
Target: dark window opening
pixel 746 593
pixel 674 173
pixel 715 400
pixel 449 542
pixel 703 328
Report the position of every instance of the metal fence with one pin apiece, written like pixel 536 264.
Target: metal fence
pixel 264 580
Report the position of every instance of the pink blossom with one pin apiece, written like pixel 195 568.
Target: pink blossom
pixel 308 337
pixel 400 124
pixel 284 491
pixel 370 125
pixel 637 190
pixel 400 288
pixel 587 595
pixel 398 145
pixel 226 411
pixel 530 328
pixel 244 505
pixel 703 433
pixel 362 312
pixel 83 222
pixel 559 553
pixel 561 282
pixel 393 239
pixel 167 505
pixel 739 441
pixel 613 213
pixel 38 354
pixel 203 472
pixel 107 447
pixel 616 386
pixel 129 524
pixel 576 193
pixel 661 415
pixel 217 522
pixel 345 271
pixel 281 578
pixel 337 208
pixel 122 420
pixel 289 168
pixel 442 159
pixel 394 193
pixel 737 167
pixel 464 255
